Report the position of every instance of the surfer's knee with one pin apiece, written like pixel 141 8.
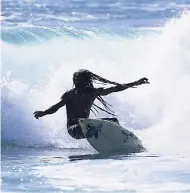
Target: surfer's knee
pixel 76 132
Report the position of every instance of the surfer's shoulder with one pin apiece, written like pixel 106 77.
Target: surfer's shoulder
pixel 71 91
pixel 97 91
pixel 66 94
pixel 91 89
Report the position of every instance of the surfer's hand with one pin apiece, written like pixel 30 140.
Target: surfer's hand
pixel 142 81
pixel 38 114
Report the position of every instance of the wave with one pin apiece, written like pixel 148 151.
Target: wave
pixel 40 34
pixel 35 76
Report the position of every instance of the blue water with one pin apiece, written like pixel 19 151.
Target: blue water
pixel 44 42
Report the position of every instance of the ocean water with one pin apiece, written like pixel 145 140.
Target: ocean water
pixel 44 42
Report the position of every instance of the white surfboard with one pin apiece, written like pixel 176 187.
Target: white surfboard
pixel 106 136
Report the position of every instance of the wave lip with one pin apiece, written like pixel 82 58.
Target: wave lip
pixel 33 35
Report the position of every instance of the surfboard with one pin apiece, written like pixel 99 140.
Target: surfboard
pixel 109 137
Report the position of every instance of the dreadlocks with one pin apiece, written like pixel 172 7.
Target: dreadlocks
pixel 89 79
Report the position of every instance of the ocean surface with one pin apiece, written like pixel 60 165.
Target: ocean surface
pixel 43 42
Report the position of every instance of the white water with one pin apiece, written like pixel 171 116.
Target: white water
pixel 35 76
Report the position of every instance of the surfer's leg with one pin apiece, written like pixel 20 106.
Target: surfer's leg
pixel 115 120
pixel 76 132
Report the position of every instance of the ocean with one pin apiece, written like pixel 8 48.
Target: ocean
pixel 44 42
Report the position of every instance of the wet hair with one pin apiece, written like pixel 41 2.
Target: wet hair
pixel 89 79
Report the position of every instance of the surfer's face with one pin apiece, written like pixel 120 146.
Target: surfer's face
pixel 80 82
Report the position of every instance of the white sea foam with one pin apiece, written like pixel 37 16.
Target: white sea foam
pixel 158 113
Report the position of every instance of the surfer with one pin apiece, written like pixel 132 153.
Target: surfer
pixel 79 101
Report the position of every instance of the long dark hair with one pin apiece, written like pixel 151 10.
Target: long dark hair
pixel 91 78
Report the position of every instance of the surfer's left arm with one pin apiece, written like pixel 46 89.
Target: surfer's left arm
pixel 121 87
pixel 53 108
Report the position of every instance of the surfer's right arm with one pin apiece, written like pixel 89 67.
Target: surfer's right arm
pixel 53 108
pixel 121 87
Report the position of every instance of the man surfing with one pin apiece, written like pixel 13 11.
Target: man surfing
pixel 79 101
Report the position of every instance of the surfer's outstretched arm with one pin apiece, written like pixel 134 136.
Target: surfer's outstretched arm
pixel 53 108
pixel 106 91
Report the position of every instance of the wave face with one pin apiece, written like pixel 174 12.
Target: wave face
pixel 38 64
